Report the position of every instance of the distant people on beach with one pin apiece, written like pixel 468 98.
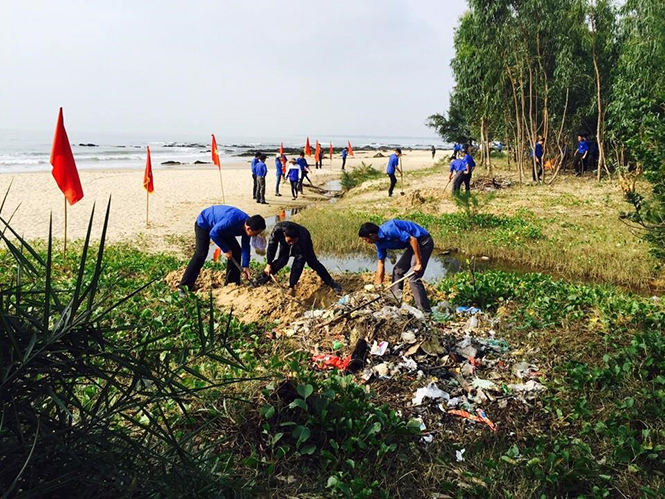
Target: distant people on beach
pixel 318 159
pixel 457 148
pixel 279 171
pixel 261 171
pixel 461 170
pixel 304 170
pixel 433 152
pixel 345 153
pixel 254 161
pixel 293 174
pixel 391 168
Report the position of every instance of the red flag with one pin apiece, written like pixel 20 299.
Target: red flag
pixel 64 168
pixel 216 255
pixel 281 148
pixel 331 151
pixel 148 184
pixel 282 158
pixel 308 148
pixel 350 148
pixel 215 154
pixel 317 151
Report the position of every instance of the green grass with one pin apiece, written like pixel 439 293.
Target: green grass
pixel 355 176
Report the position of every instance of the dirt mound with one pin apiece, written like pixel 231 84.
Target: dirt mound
pixel 271 303
pixel 490 184
pixel 419 197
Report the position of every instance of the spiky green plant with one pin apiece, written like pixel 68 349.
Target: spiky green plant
pixel 88 412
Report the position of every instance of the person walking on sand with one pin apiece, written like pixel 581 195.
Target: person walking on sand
pixel 223 224
pixel 304 169
pixel 293 240
pixel 279 172
pixel 254 161
pixel 580 156
pixel 393 165
pixel 345 153
pixel 433 152
pixel 293 174
pixel 261 173
pixel 401 234
pixel 320 158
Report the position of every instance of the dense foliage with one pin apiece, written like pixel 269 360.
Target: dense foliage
pixel 559 68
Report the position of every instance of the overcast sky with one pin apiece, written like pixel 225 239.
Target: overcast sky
pixel 256 68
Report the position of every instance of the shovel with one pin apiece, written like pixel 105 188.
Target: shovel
pixel 401 176
pixel 242 273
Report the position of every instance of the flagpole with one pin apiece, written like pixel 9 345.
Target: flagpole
pixel 147 207
pixel 221 183
pixel 65 245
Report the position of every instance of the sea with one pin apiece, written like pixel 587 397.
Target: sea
pixel 29 151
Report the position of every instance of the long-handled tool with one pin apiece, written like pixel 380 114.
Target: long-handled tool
pixel 363 305
pixel 449 180
pixel 401 176
pixel 242 272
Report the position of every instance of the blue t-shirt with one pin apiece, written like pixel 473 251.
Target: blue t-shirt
pixel 395 234
pixel 223 221
pixel 582 147
pixel 457 165
pixel 302 162
pixel 468 159
pixel 293 174
pixel 344 153
pixel 278 166
pixel 254 161
pixel 457 147
pixel 393 163
pixel 261 169
pixel 539 151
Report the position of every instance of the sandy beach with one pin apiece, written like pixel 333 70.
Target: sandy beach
pixel 180 194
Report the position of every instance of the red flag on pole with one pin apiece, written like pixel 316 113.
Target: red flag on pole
pixel 281 148
pixel 308 148
pixel 282 158
pixel 215 154
pixel 350 148
pixel 331 150
pixel 317 151
pixel 148 184
pixel 64 168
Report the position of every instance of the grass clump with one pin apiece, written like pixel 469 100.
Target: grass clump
pixel 356 176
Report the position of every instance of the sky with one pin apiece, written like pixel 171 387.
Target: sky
pixel 255 68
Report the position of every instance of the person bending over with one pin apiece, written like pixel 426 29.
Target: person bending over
pixel 223 224
pixel 401 234
pixel 288 239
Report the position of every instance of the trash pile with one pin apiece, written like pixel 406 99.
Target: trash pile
pixel 448 366
pixel 490 184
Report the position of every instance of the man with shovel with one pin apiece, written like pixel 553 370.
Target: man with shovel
pixel 401 234
pixel 293 240
pixel 223 224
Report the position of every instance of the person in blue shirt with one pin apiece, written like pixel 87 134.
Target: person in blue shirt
pixel 293 174
pixel 401 234
pixel 279 171
pixel 581 155
pixel 254 184
pixel 304 169
pixel 320 157
pixel 261 172
pixel 293 240
pixel 537 172
pixel 345 153
pixel 393 165
pixel 222 224
pixel 462 170
pixel 456 149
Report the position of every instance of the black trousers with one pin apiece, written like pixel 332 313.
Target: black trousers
pixel 294 188
pixel 393 183
pixel 537 170
pixel 255 186
pixel 303 253
pixel 343 163
pixel 201 252
pixel 302 180
pixel 461 178
pixel 579 164
pixel 404 264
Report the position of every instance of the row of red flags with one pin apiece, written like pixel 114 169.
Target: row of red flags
pixel 67 177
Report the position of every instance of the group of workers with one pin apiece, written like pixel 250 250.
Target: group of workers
pixel 224 224
pixel 461 168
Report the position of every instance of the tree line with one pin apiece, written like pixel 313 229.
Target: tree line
pixel 557 68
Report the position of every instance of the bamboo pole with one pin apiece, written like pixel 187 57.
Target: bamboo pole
pixel 221 183
pixel 147 208
pixel 65 244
